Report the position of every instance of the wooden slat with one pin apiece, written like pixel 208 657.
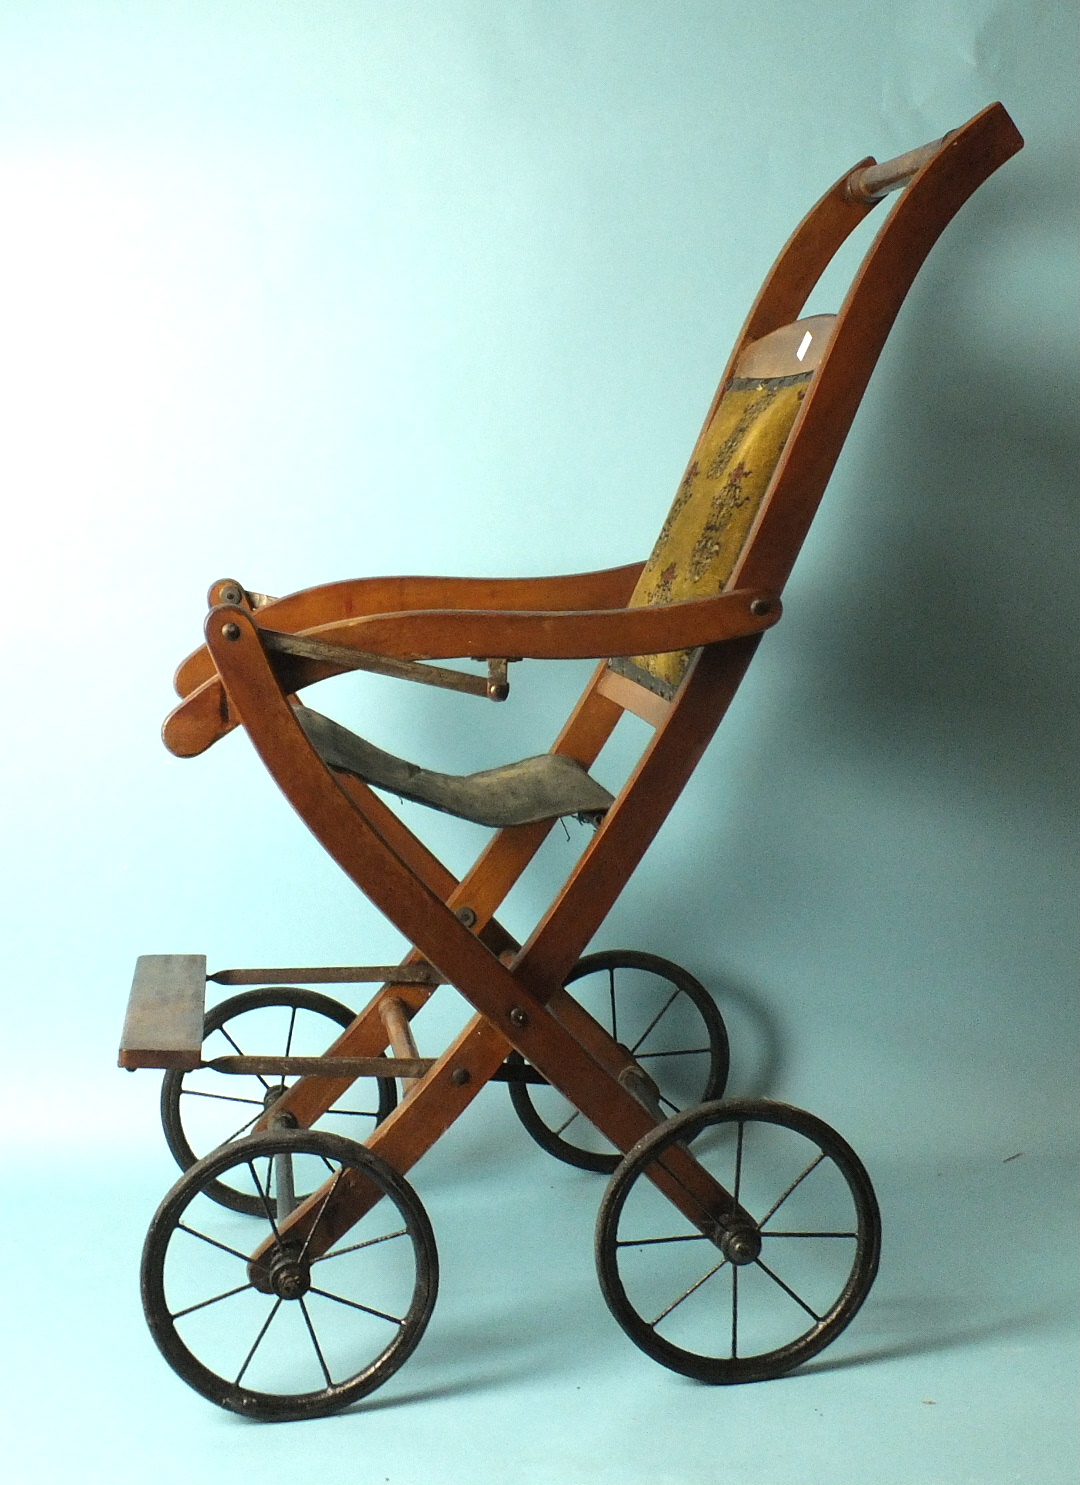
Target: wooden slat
pixel 164 1022
pixel 633 698
pixel 788 351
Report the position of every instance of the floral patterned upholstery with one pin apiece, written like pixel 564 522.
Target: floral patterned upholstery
pixel 708 523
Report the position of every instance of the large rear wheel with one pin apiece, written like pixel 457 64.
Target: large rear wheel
pixel 741 1311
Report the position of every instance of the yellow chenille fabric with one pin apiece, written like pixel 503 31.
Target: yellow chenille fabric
pixel 716 503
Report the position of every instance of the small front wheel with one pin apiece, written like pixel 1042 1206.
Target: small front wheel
pixel 322 1330
pixel 665 1019
pixel 745 1312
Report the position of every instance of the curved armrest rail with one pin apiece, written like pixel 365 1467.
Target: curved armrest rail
pixel 355 597
pixel 205 715
pixel 590 634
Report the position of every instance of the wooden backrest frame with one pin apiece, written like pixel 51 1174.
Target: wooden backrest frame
pixel 949 175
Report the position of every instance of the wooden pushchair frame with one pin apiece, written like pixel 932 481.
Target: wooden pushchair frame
pixel 260 653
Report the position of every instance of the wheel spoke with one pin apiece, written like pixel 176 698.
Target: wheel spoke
pixel 735 1308
pixel 292 1028
pixel 677 1052
pixel 672 998
pixel 263 1196
pixel 183 1227
pixel 178 1314
pixel 246 1125
pixel 223 1097
pixel 797 1182
pixel 652 1324
pixel 567 1122
pixel 738 1159
pixel 315 1343
pixel 685 1237
pixel 355 1247
pixel 773 1233
pixel 611 999
pixel 258 1341
pixel 356 1305
pixel 322 1209
pixel 787 1289
pixel 355 1113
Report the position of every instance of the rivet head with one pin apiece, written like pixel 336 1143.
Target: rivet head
pixel 466 915
pixel 760 607
pixel 460 1076
pixel 231 594
pixel 231 631
pixel 518 1017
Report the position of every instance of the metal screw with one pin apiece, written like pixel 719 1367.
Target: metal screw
pixel 760 607
pixel 231 631
pixel 518 1017
pixel 466 915
pixel 231 594
pixel 460 1076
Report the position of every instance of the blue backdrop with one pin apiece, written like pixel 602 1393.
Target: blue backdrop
pixel 321 288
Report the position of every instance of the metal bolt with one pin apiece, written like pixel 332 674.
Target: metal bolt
pixel 518 1017
pixel 760 607
pixel 466 915
pixel 740 1245
pixel 231 631
pixel 460 1076
pixel 231 594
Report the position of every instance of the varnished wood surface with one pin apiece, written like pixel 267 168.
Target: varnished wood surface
pixel 789 351
pixel 633 698
pixel 521 1002
pixel 502 999
pixel 586 635
pixel 163 1026
pixel 205 715
pixel 356 597
pixel 916 221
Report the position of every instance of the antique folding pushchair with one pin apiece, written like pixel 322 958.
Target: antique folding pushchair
pixel 292 1269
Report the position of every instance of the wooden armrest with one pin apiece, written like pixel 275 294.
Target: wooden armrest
pixel 355 597
pixel 164 1022
pixel 582 635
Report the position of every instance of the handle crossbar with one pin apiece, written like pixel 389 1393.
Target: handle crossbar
pixel 869 183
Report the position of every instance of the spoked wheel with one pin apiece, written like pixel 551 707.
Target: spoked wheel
pixel 756 1308
pixel 321 1331
pixel 201 1110
pixel 665 1018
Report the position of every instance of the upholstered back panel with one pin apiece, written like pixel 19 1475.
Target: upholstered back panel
pixel 716 503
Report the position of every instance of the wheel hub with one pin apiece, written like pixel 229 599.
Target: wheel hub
pixel 290 1275
pixel 740 1243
